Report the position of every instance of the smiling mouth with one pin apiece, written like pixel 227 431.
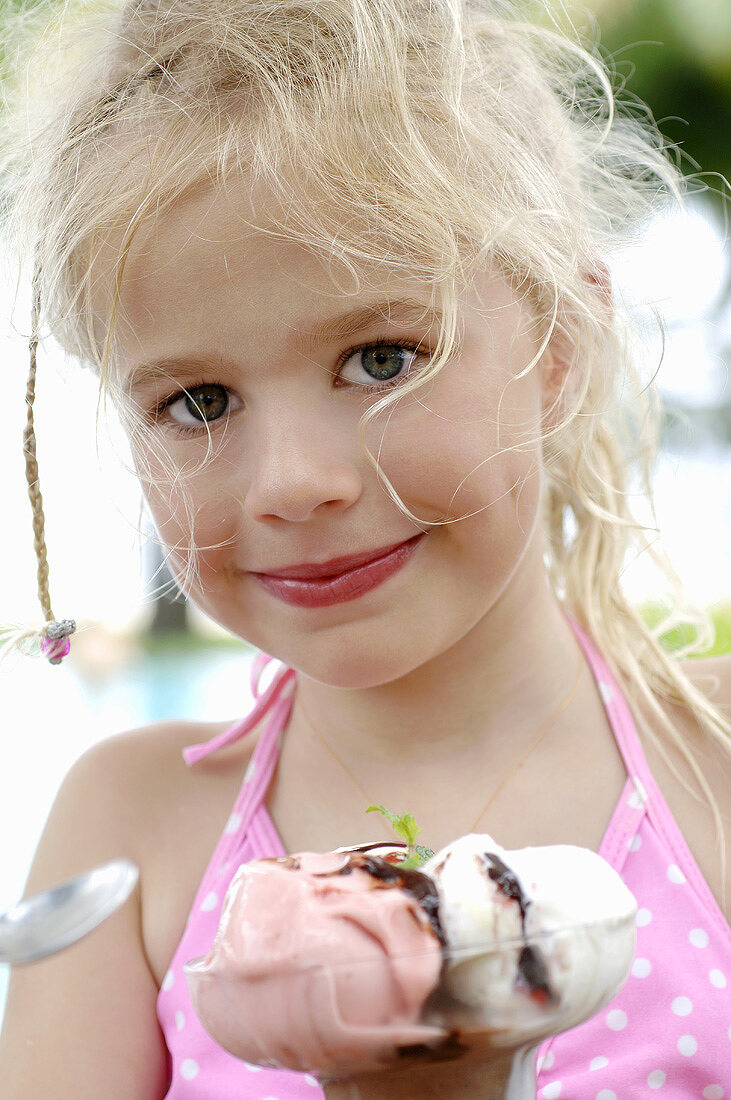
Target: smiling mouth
pixel 349 584
pixel 336 567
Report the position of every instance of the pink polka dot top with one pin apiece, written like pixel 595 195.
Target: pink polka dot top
pixel 667 1033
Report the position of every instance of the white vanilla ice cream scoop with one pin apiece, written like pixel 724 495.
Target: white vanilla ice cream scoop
pixel 537 939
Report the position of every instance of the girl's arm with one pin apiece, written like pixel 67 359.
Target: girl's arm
pixel 81 1025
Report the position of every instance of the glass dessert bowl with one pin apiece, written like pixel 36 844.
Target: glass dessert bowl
pixel 352 965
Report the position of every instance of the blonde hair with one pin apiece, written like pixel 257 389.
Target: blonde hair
pixel 432 136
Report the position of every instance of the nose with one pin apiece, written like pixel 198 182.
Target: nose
pixel 300 467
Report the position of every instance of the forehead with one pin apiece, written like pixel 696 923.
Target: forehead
pixel 217 265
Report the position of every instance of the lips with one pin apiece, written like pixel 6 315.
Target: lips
pixel 348 584
pixel 334 567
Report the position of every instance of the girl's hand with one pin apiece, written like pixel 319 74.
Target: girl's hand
pixel 82 1024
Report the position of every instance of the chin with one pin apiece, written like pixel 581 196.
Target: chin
pixel 351 666
pixel 351 671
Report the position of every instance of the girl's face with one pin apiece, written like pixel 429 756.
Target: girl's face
pixel 228 314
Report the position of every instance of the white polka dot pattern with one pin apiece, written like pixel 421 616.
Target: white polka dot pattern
pixel 717 978
pixel 687 1045
pixel 640 788
pixel 189 1069
pixel 551 1091
pixel 698 937
pixel 233 824
pixel 675 874
pixel 548 1060
pixel 634 801
pixel 617 1019
pixel 598 1063
pixel 656 1079
pixel 682 1006
pixel 641 968
pixel 714 1092
pixel 606 1094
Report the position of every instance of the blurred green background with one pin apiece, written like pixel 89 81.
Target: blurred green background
pixel 675 56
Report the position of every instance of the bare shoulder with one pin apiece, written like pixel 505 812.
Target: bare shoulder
pixel 147 768
pixel 116 777
pixel 124 785
pixel 167 816
pixel 680 786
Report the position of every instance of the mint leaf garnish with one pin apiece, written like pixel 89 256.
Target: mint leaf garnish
pixel 386 813
pixel 405 826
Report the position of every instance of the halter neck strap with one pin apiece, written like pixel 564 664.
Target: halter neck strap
pixel 264 702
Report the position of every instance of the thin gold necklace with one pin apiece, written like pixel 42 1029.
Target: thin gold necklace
pixel 534 744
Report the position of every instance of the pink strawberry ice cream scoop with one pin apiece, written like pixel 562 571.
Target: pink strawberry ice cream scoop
pixel 322 960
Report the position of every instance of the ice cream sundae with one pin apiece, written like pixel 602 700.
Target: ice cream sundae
pixel 354 960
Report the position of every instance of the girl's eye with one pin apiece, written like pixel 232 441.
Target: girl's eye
pixel 369 368
pixel 192 409
pixel 378 365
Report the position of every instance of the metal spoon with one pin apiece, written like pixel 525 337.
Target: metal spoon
pixel 54 919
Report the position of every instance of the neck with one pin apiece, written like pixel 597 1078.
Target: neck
pixel 483 699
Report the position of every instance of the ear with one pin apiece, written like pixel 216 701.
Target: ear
pixel 557 360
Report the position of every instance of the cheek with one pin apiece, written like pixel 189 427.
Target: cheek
pixel 445 448
pixel 192 515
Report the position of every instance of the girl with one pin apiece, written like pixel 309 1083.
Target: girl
pixel 340 265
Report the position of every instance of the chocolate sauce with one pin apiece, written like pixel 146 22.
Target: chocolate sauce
pixel 446 1051
pixel 376 844
pixel 507 882
pixel 531 965
pixel 534 972
pixel 421 887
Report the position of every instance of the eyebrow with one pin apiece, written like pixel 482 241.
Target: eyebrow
pixel 405 310
pixel 402 310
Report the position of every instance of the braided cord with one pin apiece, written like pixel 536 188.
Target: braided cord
pixel 31 462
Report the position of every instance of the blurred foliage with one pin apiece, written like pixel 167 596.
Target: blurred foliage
pixel 652 612
pixel 675 55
